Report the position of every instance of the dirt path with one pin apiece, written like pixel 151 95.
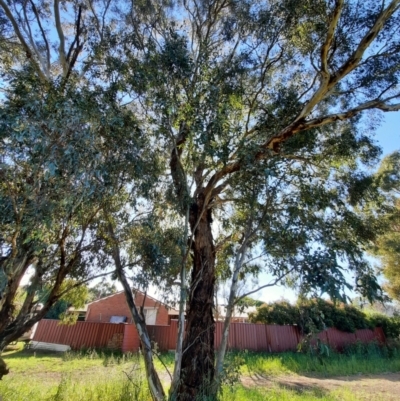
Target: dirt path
pixel 368 387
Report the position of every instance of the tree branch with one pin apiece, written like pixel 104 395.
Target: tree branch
pixel 271 284
pixel 351 63
pixel 21 38
pixel 177 170
pixel 61 294
pixel 365 42
pixel 61 47
pixel 329 37
pixel 43 34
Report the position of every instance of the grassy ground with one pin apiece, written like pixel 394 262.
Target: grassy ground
pixel 87 376
pixel 366 361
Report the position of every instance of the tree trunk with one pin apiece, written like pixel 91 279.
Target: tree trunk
pixel 179 341
pixel 155 386
pixel 197 372
pixel 21 325
pixel 239 259
pixel 176 377
pixel 3 369
pixel 13 271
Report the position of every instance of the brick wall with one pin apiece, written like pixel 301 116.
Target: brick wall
pixel 115 305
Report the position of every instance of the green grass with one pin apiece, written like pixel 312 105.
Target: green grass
pixel 332 365
pixel 100 376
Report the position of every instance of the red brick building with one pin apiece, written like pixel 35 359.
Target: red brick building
pixel 102 310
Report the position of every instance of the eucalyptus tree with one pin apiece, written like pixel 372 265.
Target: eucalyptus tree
pixel 144 252
pixel 65 164
pixel 229 86
pixel 100 290
pixel 57 174
pixel 61 151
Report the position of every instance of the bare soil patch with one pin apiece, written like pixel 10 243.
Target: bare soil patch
pixel 384 386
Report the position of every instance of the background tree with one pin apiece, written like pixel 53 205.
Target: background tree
pixel 102 289
pixel 61 108
pixel 387 245
pixel 75 297
pixel 55 174
pixel 249 301
pixel 143 251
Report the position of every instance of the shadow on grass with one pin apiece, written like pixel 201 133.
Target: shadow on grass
pixel 301 389
pixel 28 353
pixel 297 387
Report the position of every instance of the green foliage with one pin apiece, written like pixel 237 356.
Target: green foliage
pixel 386 245
pixel 280 313
pixel 390 325
pixel 387 248
pixel 57 175
pixel 388 175
pixel 248 301
pixel 233 365
pixel 315 315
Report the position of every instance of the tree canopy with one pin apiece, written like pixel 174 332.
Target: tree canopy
pixel 215 112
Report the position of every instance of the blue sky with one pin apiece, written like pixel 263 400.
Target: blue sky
pixel 388 134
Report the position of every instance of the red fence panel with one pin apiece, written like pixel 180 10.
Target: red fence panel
pixel 48 331
pixel 219 326
pixel 338 339
pixel 164 336
pixel 365 335
pixel 244 336
pixel 282 338
pixel 261 336
pixel 379 335
pixel 81 334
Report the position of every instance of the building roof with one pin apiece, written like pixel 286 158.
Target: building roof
pixel 83 309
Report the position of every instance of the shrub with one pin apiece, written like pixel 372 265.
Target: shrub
pixel 281 313
pixel 315 315
pixel 390 325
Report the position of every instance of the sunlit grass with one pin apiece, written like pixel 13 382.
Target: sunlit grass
pixel 334 365
pixel 95 375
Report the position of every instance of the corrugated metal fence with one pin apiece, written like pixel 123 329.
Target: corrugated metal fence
pixel 337 339
pixel 259 337
pixel 252 337
pixel 81 334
